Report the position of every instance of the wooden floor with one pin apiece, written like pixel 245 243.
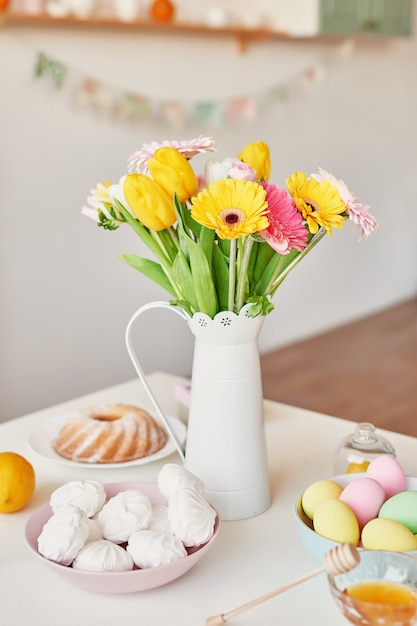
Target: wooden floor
pixel 365 371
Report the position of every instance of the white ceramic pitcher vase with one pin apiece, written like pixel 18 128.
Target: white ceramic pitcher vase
pixel 226 437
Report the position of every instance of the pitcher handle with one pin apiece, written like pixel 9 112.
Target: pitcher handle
pixel 140 372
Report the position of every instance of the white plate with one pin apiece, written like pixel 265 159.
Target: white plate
pixel 41 438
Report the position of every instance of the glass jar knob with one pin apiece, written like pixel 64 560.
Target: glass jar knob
pixel 358 449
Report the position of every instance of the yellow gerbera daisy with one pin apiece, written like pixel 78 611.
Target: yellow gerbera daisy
pixel 233 208
pixel 319 202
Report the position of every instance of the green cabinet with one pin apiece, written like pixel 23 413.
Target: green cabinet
pixel 367 17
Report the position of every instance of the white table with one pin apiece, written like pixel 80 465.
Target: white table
pixel 249 558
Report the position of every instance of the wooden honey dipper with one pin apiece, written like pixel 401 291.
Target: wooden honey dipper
pixel 338 560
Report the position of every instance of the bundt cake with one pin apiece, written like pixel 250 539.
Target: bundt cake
pixel 109 434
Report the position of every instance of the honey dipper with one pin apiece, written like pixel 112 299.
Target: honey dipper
pixel 338 560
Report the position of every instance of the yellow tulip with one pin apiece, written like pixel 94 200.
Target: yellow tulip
pixel 149 202
pixel 173 172
pixel 257 156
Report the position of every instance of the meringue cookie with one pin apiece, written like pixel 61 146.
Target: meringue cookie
pixel 124 514
pixel 150 548
pixel 191 517
pixel 88 495
pixel 160 520
pixel 64 534
pixel 173 477
pixel 95 533
pixel 103 556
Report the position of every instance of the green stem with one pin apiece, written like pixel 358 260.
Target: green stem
pixel 159 240
pixel 232 274
pixel 174 236
pixel 243 273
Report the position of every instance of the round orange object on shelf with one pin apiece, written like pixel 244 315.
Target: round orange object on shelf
pixel 4 4
pixel 162 10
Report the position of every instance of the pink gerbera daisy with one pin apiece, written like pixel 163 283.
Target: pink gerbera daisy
pixel 286 229
pixel 357 212
pixel 138 162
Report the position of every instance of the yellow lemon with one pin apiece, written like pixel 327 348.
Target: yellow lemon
pixel 357 467
pixel 17 482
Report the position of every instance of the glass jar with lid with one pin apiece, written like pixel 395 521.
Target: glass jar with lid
pixel 359 448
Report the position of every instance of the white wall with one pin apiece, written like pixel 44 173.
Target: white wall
pixel 66 298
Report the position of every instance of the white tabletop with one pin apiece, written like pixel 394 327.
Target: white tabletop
pixel 249 558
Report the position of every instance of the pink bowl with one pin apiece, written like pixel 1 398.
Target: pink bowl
pixel 118 582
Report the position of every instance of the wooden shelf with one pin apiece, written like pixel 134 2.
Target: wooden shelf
pixel 243 36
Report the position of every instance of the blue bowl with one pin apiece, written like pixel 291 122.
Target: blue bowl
pixel 315 545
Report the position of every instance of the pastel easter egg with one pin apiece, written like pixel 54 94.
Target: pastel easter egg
pixel 388 472
pixel 403 508
pixel 365 497
pixel 354 468
pixel 318 492
pixel 335 520
pixel 387 534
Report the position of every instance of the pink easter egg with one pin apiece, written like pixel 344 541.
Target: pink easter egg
pixel 364 496
pixel 388 472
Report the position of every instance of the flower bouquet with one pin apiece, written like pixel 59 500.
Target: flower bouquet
pixel 228 238
pixel 222 245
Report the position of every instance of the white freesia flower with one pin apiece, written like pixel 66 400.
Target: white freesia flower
pixel 228 168
pixel 102 197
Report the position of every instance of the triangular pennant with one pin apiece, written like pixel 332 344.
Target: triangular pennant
pixel 133 107
pixel 173 113
pixel 242 109
pixel 208 112
pixel 55 69
pixel 276 94
pixel 95 93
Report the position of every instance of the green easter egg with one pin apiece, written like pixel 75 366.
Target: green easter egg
pixel 402 508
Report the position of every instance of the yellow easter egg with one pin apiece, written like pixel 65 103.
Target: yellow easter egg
pixel 387 534
pixel 335 520
pixel 318 492
pixel 353 468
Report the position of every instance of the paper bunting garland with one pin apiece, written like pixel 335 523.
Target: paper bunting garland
pixel 93 93
pixel 55 69
pixel 242 109
pixel 207 113
pixel 139 108
pixel 133 107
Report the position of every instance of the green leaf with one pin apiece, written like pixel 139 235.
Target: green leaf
pixel 181 229
pixel 261 305
pixel 206 241
pixel 151 269
pixel 181 273
pixel 202 279
pixel 221 277
pixel 183 305
pixel 264 254
pixel 183 213
pixel 192 226
pixel 224 245
pixel 143 232
pixel 264 283
pixel 200 268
